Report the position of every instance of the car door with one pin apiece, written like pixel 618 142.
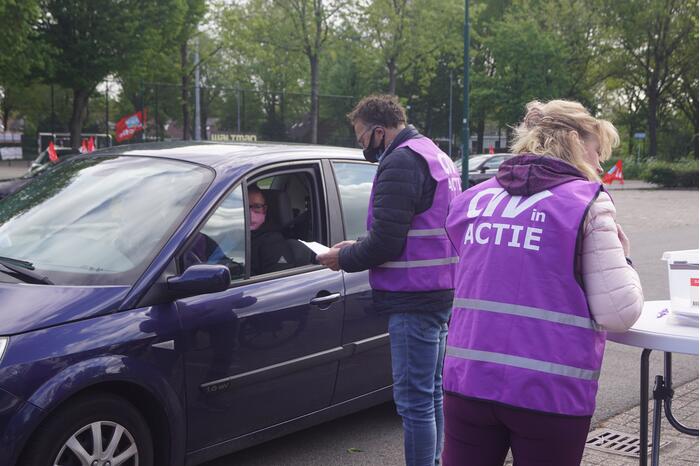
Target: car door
pixel 266 350
pixel 369 367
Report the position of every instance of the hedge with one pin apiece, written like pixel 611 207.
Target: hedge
pixel 682 174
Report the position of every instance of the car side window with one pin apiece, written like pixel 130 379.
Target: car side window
pixel 355 185
pixel 285 207
pixel 222 238
pixel 495 162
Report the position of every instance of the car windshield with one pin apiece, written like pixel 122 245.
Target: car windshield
pixel 99 221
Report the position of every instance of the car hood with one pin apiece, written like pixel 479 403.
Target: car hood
pixel 25 307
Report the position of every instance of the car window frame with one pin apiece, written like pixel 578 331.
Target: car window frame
pixel 242 182
pixel 316 214
pixel 339 197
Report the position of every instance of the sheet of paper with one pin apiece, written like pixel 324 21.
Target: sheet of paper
pixel 318 248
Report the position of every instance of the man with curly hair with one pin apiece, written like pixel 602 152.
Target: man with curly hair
pixel 411 262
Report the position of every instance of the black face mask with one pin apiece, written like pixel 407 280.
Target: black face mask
pixel 372 154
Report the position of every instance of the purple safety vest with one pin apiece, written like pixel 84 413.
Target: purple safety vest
pixel 521 332
pixel 428 259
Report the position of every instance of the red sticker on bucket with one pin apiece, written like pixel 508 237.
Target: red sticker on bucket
pixel 695 282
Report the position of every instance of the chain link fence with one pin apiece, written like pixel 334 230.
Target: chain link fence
pixel 230 114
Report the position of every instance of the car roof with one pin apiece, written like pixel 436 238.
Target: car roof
pixel 226 155
pixel 490 155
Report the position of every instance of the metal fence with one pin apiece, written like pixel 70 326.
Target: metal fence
pixel 235 114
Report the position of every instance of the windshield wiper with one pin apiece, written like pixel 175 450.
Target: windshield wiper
pixel 23 270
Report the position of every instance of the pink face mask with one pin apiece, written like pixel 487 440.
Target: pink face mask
pixel 256 220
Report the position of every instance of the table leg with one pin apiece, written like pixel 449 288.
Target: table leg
pixel 669 397
pixel 644 407
pixel 659 396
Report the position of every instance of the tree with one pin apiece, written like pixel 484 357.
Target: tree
pixel 311 22
pixel 258 58
pixel 16 56
pixel 16 21
pixel 647 36
pixel 530 64
pixel 195 11
pixel 411 34
pixel 86 41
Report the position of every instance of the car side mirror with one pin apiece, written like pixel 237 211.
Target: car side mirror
pixel 482 170
pixel 200 279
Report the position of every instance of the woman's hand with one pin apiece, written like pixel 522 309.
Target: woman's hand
pixel 624 240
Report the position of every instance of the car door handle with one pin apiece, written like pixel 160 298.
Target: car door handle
pixel 324 300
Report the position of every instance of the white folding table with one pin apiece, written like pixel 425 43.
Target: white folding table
pixel 658 330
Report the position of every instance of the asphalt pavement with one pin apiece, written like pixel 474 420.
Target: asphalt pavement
pixel 655 221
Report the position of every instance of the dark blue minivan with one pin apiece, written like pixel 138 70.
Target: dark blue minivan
pixel 136 328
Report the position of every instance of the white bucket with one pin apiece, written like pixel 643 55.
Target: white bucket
pixel 683 281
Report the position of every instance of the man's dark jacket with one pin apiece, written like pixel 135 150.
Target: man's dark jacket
pixel 403 188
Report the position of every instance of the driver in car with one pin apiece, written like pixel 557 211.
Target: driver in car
pixel 270 251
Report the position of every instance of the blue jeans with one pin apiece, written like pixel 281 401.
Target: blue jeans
pixel 417 353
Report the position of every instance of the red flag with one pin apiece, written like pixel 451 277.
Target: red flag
pixel 53 156
pixel 128 126
pixel 83 147
pixel 615 173
pixel 91 144
pixel 491 151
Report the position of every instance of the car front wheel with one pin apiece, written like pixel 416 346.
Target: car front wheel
pixel 95 430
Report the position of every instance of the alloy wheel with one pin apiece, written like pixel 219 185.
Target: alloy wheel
pixel 101 443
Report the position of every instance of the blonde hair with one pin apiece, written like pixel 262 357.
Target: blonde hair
pixel 558 128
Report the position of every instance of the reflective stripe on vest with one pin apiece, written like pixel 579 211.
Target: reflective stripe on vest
pixel 419 263
pixel 428 232
pixel 526 311
pixel 523 363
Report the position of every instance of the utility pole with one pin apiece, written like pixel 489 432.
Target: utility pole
pixel 465 110
pixel 449 123
pixel 53 114
pixel 238 108
pixel 107 108
pixel 197 109
pixel 157 118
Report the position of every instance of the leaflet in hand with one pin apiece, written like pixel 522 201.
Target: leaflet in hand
pixel 318 248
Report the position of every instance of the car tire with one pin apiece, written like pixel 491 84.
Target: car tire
pixel 72 426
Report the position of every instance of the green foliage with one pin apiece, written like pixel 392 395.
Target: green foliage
pixel 88 41
pixel 653 50
pixel 672 174
pixel 411 36
pixel 16 57
pixel 634 62
pixel 530 64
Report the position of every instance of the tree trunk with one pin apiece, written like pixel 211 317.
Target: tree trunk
pixel 652 121
pixel 391 67
pixel 204 113
pixel 313 60
pixel 480 126
pixel 630 139
pixel 5 117
pixel 5 108
pixel 185 93
pixel 80 99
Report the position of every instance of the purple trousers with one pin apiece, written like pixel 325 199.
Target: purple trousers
pixel 479 433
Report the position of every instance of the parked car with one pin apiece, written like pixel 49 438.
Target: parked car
pixel 112 350
pixel 483 166
pixel 38 165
